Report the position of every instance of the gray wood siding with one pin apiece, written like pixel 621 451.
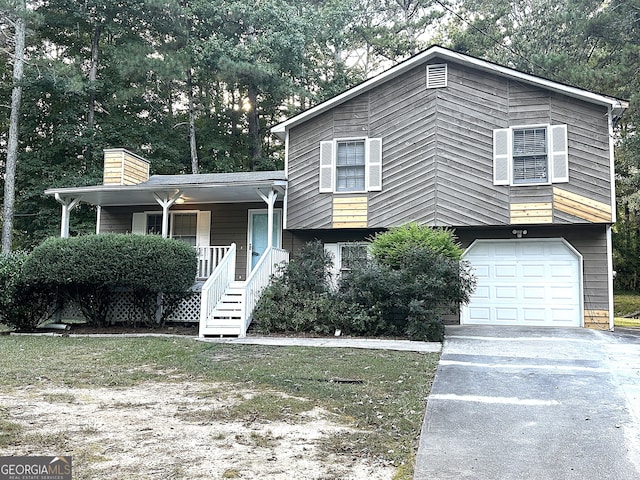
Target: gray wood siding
pixel 438 150
pixel 589 240
pixel 403 114
pixel 588 136
pixel 307 208
pixel 118 219
pixel 473 104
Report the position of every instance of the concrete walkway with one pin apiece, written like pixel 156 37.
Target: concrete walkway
pixel 511 403
pixel 337 342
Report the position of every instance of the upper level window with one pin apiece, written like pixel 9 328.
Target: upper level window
pixel 530 163
pixel 350 166
pixel 530 155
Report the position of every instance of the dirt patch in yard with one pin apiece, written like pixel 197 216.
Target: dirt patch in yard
pixel 179 430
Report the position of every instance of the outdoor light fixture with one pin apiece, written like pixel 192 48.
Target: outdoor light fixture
pixel 519 233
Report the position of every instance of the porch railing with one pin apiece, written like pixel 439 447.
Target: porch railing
pixel 213 289
pixel 209 258
pixel 259 279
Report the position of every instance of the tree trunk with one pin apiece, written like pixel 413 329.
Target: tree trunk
pixel 255 143
pixel 12 142
pixel 195 167
pixel 93 77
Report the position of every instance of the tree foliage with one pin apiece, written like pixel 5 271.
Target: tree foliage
pixel 180 79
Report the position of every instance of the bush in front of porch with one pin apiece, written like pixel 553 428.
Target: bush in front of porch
pixel 91 270
pixel 23 305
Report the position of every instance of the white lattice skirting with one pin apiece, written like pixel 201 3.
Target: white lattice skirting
pixel 123 310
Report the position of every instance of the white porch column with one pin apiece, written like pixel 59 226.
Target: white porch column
pixel 98 218
pixel 270 200
pixel 68 204
pixel 166 201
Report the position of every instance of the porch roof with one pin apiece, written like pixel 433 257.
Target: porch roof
pixel 202 188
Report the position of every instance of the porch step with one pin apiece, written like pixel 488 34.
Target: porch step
pixel 226 317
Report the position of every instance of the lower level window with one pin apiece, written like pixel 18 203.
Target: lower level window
pixel 352 253
pixel 154 224
pixel 182 226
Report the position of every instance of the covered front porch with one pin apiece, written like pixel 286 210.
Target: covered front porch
pixel 233 220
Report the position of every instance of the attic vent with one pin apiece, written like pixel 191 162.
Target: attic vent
pixel 437 76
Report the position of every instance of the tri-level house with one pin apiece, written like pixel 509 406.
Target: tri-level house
pixel 520 167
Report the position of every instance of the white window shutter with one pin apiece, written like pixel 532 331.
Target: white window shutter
pixel 203 228
pixel 559 158
pixel 374 165
pixel 139 223
pixel 501 156
pixel 326 166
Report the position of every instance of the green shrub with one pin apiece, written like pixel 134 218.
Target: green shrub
pixel 408 298
pixel 92 269
pixel 390 247
pixel 299 297
pixel 23 305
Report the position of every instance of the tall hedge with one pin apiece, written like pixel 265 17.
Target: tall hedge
pixel 90 270
pixel 23 305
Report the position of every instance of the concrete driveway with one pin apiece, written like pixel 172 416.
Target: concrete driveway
pixel 533 403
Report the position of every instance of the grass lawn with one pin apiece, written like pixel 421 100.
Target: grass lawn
pixel 625 303
pixel 378 397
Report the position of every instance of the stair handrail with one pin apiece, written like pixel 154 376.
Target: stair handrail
pixel 216 284
pixel 259 279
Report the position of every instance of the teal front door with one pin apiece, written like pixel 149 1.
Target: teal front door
pixel 258 234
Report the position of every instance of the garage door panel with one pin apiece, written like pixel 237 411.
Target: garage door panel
pixel 505 251
pixel 482 292
pixel 562 271
pixel 534 315
pixel 481 271
pixel 506 293
pixel 533 271
pixel 506 315
pixel 525 282
pixel 534 292
pixel 505 271
pixel 527 250
pixel 562 293
pixel 480 314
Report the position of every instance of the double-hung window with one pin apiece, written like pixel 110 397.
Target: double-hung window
pixel 184 227
pixel 191 227
pixel 530 162
pixel 530 155
pixel 351 165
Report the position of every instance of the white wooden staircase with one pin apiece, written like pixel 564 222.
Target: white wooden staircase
pixel 227 315
pixel 227 305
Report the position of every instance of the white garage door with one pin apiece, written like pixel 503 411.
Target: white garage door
pixel 524 282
